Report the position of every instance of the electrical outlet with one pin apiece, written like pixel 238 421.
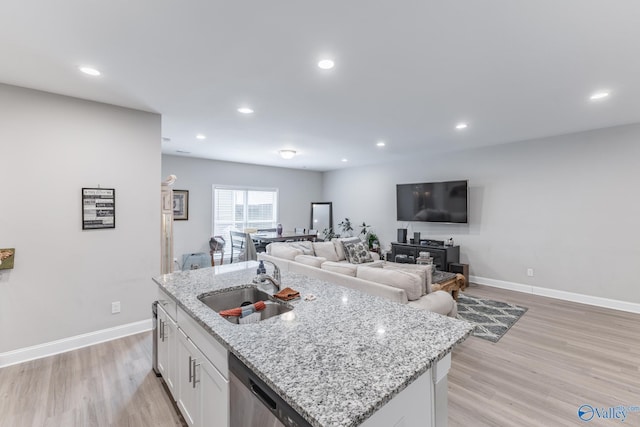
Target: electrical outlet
pixel 530 272
pixel 115 307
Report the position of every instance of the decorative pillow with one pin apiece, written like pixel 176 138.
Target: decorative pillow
pixel 409 282
pixel 357 253
pixel 326 250
pixel 340 267
pixel 285 252
pixel 314 261
pixel 340 247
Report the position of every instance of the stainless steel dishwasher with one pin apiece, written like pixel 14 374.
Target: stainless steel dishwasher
pixel 254 404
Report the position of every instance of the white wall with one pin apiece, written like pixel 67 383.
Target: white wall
pixel 297 189
pixel 567 206
pixel 65 278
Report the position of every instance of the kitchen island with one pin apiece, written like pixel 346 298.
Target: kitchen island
pixel 336 360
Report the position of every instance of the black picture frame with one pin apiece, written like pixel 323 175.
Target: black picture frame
pixel 180 205
pixel 98 208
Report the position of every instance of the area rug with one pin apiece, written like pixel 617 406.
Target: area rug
pixel 492 318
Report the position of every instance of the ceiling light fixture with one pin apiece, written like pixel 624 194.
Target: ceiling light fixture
pixel 344 160
pixel 245 110
pixel 326 64
pixel 90 71
pixel 380 144
pixel 287 154
pixel 599 95
pixel 201 136
pixel 461 126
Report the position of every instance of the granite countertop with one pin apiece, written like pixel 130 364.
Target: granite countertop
pixel 335 360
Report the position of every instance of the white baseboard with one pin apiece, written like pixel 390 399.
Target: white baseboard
pixel 72 343
pixel 563 295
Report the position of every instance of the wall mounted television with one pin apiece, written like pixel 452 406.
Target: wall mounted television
pixel 446 202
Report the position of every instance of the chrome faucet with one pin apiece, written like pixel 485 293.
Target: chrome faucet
pixel 275 280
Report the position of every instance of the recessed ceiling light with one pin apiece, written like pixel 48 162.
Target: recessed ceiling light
pixel 90 71
pixel 326 64
pixel 245 110
pixel 461 126
pixel 287 154
pixel 344 160
pixel 380 144
pixel 201 136
pixel 599 95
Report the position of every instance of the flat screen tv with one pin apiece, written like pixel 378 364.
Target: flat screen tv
pixel 433 202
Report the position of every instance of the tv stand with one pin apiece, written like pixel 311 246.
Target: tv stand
pixel 442 255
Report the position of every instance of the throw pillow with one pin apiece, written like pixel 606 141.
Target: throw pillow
pixel 339 244
pixel 326 250
pixel 357 253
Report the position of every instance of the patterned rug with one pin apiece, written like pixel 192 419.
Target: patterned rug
pixel 492 318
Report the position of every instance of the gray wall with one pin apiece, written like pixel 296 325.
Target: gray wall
pixel 567 206
pixel 297 189
pixel 65 278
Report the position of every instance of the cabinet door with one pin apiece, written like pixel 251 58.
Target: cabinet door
pixel 171 341
pixel 187 395
pixel 213 395
pixel 163 344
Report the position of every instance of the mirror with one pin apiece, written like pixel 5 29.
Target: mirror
pixel 321 216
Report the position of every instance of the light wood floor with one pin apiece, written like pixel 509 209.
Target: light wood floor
pixel 108 384
pixel 558 356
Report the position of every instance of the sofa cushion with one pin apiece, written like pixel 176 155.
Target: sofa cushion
pixel 340 267
pixel 326 250
pixel 357 253
pixel 424 271
pixel 284 251
pixel 314 261
pixel 305 246
pixel 338 242
pixel 411 283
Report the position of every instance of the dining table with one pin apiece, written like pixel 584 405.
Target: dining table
pixel 270 237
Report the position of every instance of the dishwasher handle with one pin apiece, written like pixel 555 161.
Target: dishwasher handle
pixel 262 395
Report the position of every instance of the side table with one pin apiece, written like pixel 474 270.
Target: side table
pixel 449 282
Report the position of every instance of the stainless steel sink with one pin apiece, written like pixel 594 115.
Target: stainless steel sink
pixel 244 296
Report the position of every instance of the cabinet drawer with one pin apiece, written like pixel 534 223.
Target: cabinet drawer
pixel 168 304
pixel 212 349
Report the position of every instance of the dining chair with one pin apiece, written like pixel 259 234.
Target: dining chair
pixel 315 234
pixel 238 245
pixel 300 230
pixel 242 246
pixel 216 244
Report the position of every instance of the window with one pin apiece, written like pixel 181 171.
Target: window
pixel 239 208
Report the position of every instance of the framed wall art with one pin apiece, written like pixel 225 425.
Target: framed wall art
pixel 98 208
pixel 180 205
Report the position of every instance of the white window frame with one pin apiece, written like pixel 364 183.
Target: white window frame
pixel 246 189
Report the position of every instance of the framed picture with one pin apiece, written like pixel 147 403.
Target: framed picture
pixel 6 258
pixel 98 208
pixel 180 205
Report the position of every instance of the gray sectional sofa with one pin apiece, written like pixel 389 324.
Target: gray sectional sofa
pixel 344 262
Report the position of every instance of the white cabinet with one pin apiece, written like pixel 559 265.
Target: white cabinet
pixel 167 346
pixel 203 393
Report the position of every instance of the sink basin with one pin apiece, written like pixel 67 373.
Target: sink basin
pixel 244 296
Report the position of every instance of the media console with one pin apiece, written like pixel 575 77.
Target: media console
pixel 442 255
